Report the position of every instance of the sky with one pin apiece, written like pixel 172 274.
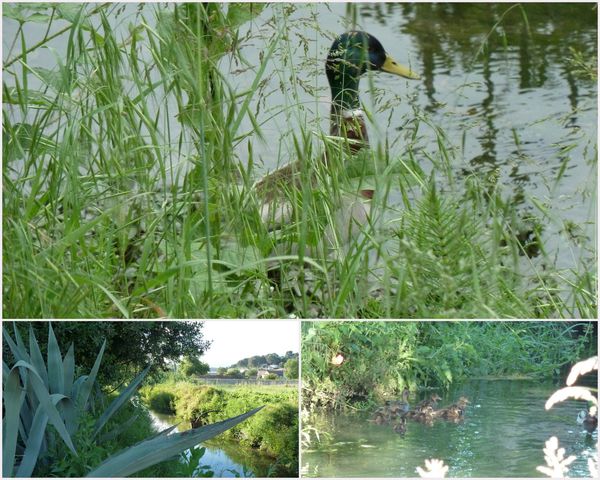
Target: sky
pixel 233 340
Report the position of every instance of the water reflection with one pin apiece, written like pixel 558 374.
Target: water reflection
pixel 502 435
pixel 226 460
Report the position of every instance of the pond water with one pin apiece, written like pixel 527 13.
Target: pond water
pixel 502 435
pixel 225 459
pixel 507 98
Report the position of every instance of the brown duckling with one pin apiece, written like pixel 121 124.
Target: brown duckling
pixel 381 416
pixel 400 426
pixel 425 415
pixel 430 402
pixel 454 411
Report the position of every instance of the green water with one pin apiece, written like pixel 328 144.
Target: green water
pixel 502 435
pixel 225 459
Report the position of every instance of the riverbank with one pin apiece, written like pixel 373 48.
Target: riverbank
pixel 273 431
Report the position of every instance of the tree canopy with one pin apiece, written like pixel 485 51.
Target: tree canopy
pixel 268 359
pixel 130 346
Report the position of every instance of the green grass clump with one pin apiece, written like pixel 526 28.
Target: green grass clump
pixel 127 190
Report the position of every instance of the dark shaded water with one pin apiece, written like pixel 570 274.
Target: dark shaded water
pixel 225 459
pixel 503 434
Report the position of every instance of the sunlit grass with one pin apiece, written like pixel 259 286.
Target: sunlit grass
pixel 124 195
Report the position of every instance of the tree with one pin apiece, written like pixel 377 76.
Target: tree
pixel 234 373
pixel 273 359
pixel 191 365
pixel 221 371
pixel 251 372
pixel 290 369
pixel 130 346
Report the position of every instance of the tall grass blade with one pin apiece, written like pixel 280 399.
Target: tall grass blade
pixel 159 449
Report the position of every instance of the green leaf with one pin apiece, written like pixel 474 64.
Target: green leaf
pixel 55 364
pixel 159 449
pixel 18 353
pixel 13 399
pixel 37 360
pixel 117 431
pixel 18 338
pixel 47 403
pixel 36 437
pixel 87 384
pixel 34 443
pixel 119 401
pixel 69 371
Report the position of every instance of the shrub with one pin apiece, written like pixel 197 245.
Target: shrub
pixel 162 402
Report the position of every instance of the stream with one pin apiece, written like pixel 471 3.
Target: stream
pixel 225 459
pixel 502 435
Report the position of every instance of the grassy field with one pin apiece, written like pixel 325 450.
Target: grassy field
pixel 123 195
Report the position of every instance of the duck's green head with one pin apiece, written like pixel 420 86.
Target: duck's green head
pixel 350 56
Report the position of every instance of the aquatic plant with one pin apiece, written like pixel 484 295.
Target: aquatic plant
pixel 40 393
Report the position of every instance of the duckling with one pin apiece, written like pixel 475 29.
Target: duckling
pixel 589 419
pixel 400 427
pixel 454 411
pixel 431 402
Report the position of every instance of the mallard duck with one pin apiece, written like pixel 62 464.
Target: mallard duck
pixel 400 407
pixel 350 56
pixel 588 419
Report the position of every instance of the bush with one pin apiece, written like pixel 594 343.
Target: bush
pixel 162 402
pixel 275 430
pixel 276 433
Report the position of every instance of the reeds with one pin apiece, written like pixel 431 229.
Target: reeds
pixel 128 172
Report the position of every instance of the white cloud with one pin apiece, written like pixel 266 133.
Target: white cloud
pixel 233 340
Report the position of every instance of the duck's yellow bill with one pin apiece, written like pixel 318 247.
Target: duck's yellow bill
pixel 391 66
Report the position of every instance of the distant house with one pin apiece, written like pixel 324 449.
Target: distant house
pixel 264 372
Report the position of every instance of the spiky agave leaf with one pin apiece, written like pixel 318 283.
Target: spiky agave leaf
pixel 161 448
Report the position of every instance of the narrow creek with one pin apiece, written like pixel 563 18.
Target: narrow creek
pixel 225 458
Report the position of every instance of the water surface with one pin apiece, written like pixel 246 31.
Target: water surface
pixel 502 435
pixel 225 459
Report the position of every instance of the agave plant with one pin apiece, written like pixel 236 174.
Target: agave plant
pixel 38 393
